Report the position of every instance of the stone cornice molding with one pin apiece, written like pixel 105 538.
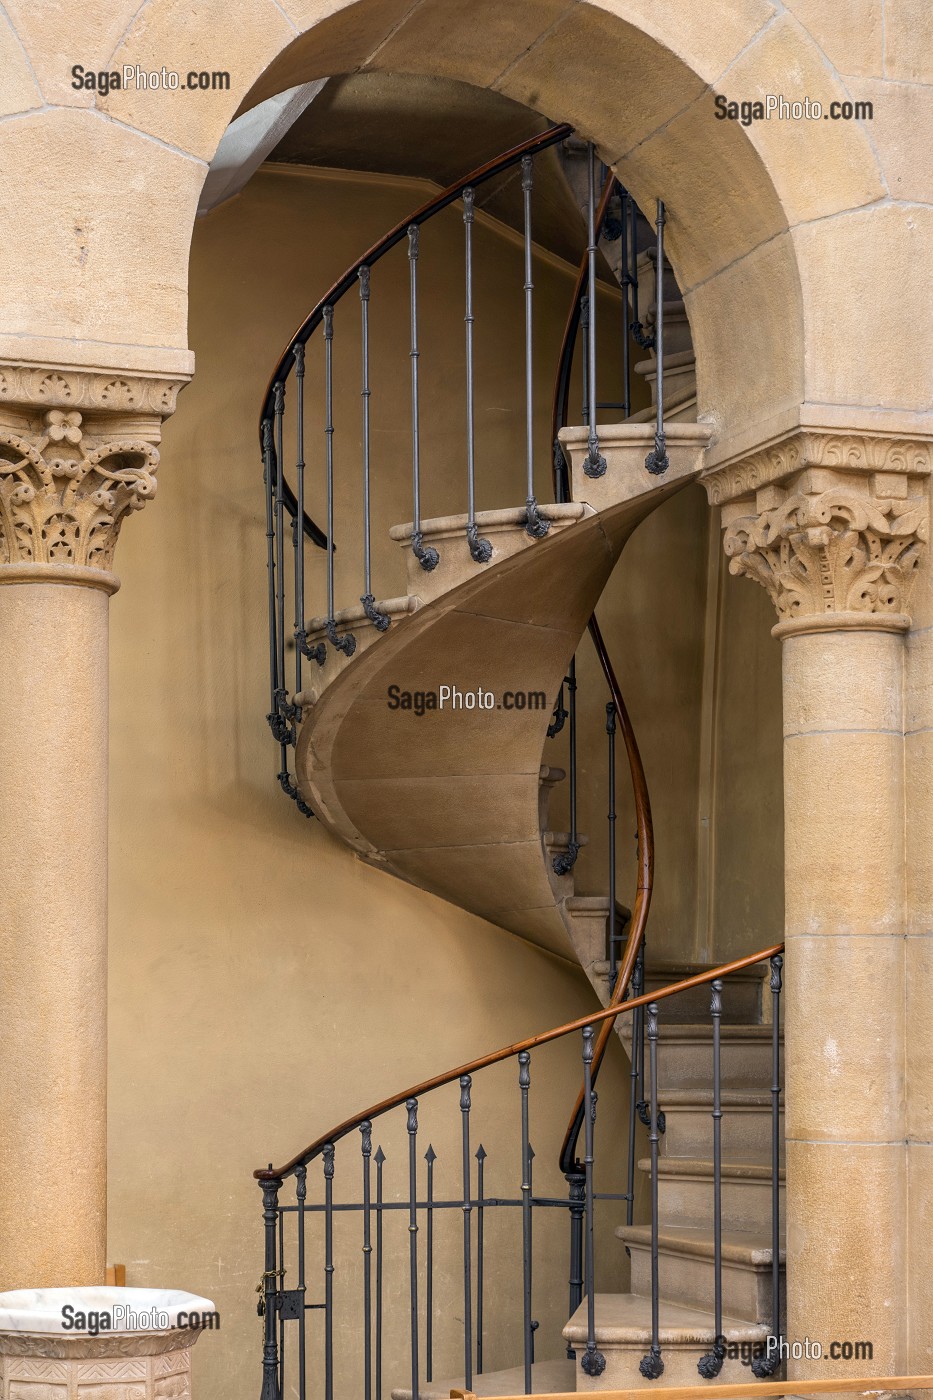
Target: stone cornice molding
pixel 39 387
pixel 77 456
pixel 854 452
pixel 832 525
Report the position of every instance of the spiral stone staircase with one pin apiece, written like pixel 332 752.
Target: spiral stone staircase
pixel 401 739
pixel 456 802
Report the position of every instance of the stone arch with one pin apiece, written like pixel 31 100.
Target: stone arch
pixel 750 208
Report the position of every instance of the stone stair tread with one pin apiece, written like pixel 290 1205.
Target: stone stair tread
pixel 751 1248
pixel 626 1317
pixel 547 1376
pixel 732 1169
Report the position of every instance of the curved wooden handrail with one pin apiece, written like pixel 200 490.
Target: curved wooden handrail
pixel 507 1052
pixel 350 277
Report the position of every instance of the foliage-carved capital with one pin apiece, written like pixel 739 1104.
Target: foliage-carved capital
pixel 78 454
pixel 833 527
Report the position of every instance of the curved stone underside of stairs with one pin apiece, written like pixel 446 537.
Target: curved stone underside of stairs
pixel 454 800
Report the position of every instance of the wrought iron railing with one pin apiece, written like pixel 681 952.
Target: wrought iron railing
pixel 287 1284
pixel 285 506
pixel 298 1282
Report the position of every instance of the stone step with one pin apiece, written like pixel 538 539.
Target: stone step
pixel 741 998
pixel 686 1274
pixel 586 917
pixel 685 1057
pixel 623 1335
pixel 685 1193
pixel 746 1124
pixel 547 1377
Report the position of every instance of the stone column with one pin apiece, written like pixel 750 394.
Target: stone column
pixel 833 526
pixel 77 455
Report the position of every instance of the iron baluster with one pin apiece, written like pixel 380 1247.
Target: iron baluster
pixel 380 620
pixel 585 330
pixel 535 524
pixel 268 474
pixel 281 695
pixel 301 1192
pixel 637 1046
pixel 593 1363
pixel 577 1211
pixel 268 1289
pixel 412 1107
pixel 316 653
pixel 563 864
pixel 366 1147
pixel 480 1188
pixel 643 1106
pixel 613 946
pixel 465 1103
pixel 639 335
pixel 657 461
pixel 652 1365
pixel 328 1156
pixel 347 643
pixel 767 1365
pixel 430 1157
pixel 298 539
pixel 279 1300
pixel 524 1084
pixel 595 464
pixel 380 1163
pixel 710 1365
pixel 531 1197
pixel 283 714
pixel 427 557
pixel 480 550
pixel 625 201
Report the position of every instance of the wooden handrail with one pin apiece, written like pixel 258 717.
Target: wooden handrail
pixel 349 278
pixel 507 1052
pixel 864 1385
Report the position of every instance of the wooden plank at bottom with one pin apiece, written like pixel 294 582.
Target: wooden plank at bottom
pixel 871 1385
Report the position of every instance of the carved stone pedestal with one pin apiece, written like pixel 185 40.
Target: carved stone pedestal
pixel 151 1366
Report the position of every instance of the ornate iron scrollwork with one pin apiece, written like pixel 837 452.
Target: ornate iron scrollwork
pixel 380 620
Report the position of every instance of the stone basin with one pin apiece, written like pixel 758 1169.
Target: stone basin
pixel 144 1354
pixel 39 1310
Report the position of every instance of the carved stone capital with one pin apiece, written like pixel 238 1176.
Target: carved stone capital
pixel 832 525
pixel 77 456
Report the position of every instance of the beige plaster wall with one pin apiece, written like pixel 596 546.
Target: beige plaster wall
pixel 265 984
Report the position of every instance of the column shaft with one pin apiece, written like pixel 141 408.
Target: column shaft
pixel 53 948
